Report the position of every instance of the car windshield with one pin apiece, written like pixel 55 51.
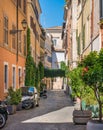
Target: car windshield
pixel 27 91
pixel 31 89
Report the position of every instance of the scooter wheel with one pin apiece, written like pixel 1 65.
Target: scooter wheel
pixel 2 121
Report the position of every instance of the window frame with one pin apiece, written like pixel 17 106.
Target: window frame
pixel 6 30
pixel 101 9
pixel 54 42
pixel 24 73
pixel 13 37
pixel 14 78
pixel 19 75
pixel 20 42
pixel 19 3
pixel 25 47
pixel 24 6
pixel 7 77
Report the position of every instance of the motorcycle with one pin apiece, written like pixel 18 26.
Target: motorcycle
pixel 3 114
pixel 43 94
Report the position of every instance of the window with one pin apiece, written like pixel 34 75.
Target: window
pixel 101 8
pixel 13 38
pixel 24 6
pixel 19 41
pixel 36 13
pixel 54 42
pixel 5 76
pixel 13 76
pixel 5 30
pixel 19 3
pixel 49 59
pixel 78 45
pixel 19 75
pixel 79 2
pixel 24 45
pixel 83 37
pixel 23 76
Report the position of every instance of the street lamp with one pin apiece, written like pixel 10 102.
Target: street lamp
pixel 24 25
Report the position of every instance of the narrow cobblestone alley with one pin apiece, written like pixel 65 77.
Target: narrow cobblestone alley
pixel 54 113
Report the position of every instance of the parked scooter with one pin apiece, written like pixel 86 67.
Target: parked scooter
pixel 3 114
pixel 43 94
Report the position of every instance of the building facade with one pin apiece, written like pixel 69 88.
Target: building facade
pixel 57 53
pixel 33 16
pixel 42 46
pixel 48 58
pixel 13 40
pixel 84 28
pixel 69 33
pixel 12 45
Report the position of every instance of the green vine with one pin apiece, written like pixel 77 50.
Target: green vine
pixel 30 65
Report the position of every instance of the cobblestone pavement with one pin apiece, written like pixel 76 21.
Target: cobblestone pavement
pixel 54 113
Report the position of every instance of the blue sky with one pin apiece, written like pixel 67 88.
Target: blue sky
pixel 52 13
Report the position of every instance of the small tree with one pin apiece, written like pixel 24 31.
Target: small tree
pixel 64 67
pixel 92 75
pixel 14 96
pixel 76 83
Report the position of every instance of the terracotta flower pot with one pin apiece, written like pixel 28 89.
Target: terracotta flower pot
pixel 81 117
pixel 19 107
pixel 11 109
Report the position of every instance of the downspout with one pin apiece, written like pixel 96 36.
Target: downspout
pixel 92 21
pixel 82 29
pixel 17 31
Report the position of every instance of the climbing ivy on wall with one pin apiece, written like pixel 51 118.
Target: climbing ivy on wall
pixel 41 69
pixel 54 73
pixel 30 65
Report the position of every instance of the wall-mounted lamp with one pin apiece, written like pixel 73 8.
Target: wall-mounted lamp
pixel 24 25
pixel 66 7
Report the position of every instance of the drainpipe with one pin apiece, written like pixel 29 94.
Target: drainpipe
pixel 92 21
pixel 17 31
pixel 82 28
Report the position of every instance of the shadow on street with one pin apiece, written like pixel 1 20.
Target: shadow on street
pixel 54 113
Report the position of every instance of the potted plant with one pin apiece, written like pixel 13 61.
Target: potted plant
pixel 19 97
pixel 92 76
pixel 80 116
pixel 13 99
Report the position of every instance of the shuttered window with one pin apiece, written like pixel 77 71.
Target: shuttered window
pixel 101 8
pixel 6 30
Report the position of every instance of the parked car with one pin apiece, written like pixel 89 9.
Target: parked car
pixel 35 93
pixel 30 97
